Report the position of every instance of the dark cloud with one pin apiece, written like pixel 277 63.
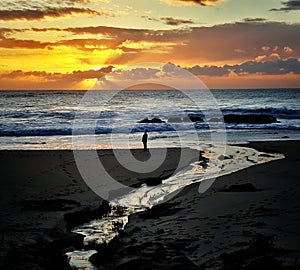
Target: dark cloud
pixel 237 42
pixel 18 79
pixel 150 18
pixel 198 2
pixel 254 20
pixel 40 14
pixel 176 21
pixel 288 6
pixel 12 43
pixel 76 75
pixel 209 71
pixel 276 67
pixel 23 4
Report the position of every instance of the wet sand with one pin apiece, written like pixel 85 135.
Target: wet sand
pixel 247 220
pixel 42 194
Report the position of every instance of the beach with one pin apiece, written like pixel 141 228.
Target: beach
pixel 246 219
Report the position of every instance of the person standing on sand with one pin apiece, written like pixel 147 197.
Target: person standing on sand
pixel 144 140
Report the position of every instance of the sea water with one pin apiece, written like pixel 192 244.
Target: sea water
pixel 44 119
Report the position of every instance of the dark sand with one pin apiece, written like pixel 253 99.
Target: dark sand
pixel 42 195
pixel 214 230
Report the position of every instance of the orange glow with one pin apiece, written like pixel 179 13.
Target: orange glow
pixel 57 45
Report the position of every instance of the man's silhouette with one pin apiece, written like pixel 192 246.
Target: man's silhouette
pixel 144 140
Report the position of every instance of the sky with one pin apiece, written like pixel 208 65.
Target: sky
pixel 70 44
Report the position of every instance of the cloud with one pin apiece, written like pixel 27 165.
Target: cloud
pixel 251 20
pixel 271 65
pixel 288 50
pixel 275 67
pixel 40 80
pixel 170 20
pixel 51 12
pixel 135 74
pixel 165 75
pixel 271 57
pixel 176 21
pixel 195 2
pixel 56 76
pixel 288 6
pixel 188 46
pixel 12 43
pixel 209 71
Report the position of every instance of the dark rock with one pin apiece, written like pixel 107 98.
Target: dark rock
pixel 103 256
pixel 71 240
pixel 249 119
pixel 203 164
pixel 153 120
pixel 222 157
pixel 193 118
pixel 153 181
pixel 85 215
pixel 241 188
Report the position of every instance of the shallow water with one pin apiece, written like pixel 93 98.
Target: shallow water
pixel 140 199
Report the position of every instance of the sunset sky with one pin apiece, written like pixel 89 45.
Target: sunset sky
pixel 69 44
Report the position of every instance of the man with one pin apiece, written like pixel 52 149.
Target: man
pixel 144 140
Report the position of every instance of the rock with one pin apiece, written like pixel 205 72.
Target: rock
pixel 241 188
pixel 249 119
pixel 71 240
pixel 153 181
pixel 103 256
pixel 203 164
pixel 193 118
pixel 153 120
pixel 85 215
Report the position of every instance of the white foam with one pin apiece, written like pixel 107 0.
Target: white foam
pixel 236 158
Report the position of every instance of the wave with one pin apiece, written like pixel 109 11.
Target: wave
pixel 155 128
pixel 65 115
pixel 280 113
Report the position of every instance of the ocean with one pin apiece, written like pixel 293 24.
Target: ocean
pixel 45 119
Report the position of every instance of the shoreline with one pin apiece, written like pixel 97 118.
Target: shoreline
pixel 88 203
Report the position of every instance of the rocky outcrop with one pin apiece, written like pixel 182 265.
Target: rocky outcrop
pixel 193 118
pixel 249 119
pixel 189 118
pixel 153 120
